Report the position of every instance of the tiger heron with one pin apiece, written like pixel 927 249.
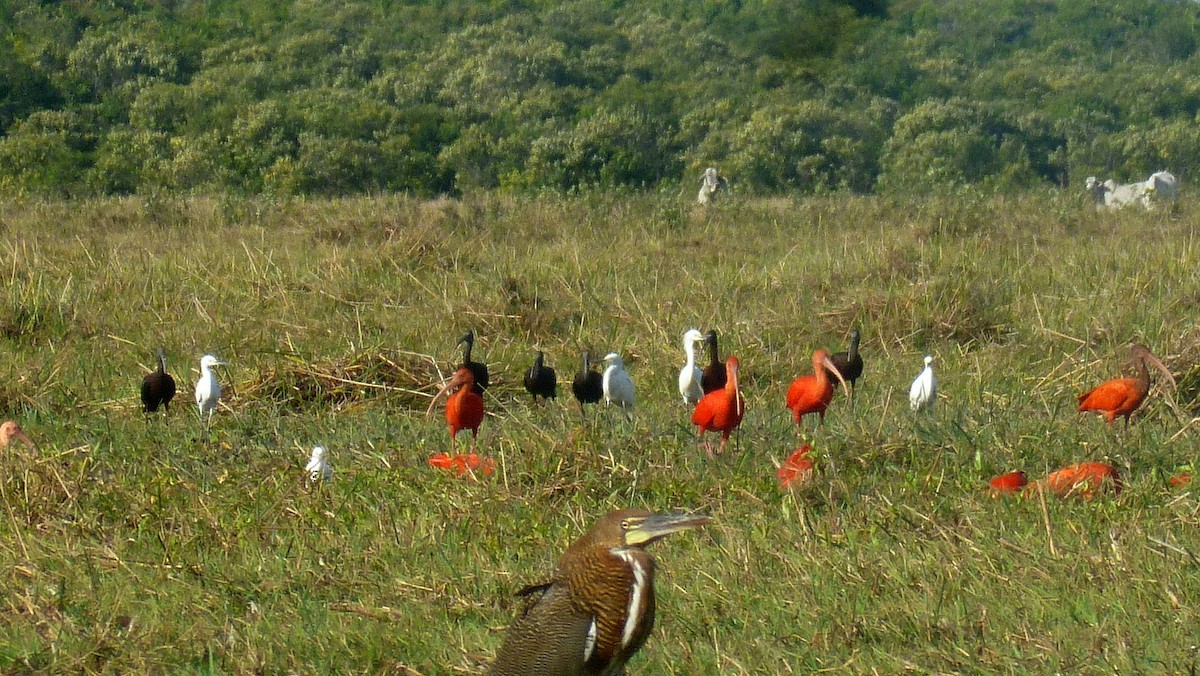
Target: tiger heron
pixel 597 610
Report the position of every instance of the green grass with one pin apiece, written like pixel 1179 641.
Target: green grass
pixel 135 546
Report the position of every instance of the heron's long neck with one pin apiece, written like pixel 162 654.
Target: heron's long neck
pixel 689 347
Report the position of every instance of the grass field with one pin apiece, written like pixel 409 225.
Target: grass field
pixel 129 545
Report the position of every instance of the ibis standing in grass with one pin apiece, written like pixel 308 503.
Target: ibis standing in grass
pixel 1123 396
pixel 923 393
pixel 158 387
pixel 690 376
pixel 618 386
pixel 721 410
pixel 540 380
pixel 850 363
pixel 208 390
pixel 479 370
pixel 588 386
pixel 714 374
pixel 464 407
pixel 811 393
pixel 597 610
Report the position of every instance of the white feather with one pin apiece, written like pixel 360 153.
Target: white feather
pixel 637 595
pixel 923 393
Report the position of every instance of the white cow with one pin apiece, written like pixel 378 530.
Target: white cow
pixel 710 185
pixel 1161 187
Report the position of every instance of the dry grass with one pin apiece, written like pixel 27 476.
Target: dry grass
pixel 150 546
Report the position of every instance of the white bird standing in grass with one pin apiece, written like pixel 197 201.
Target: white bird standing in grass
pixel 318 465
pixel 618 386
pixel 208 390
pixel 691 375
pixel 923 392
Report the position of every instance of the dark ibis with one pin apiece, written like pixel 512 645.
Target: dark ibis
pixel 812 393
pixel 540 380
pixel 588 385
pixel 713 377
pixel 479 370
pixel 849 363
pixel 158 387
pixel 1123 396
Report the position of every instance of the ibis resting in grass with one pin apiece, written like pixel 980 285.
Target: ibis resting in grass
pixel 721 411
pixel 618 386
pixel 923 393
pixel 208 390
pixel 479 370
pixel 690 376
pixel 158 387
pixel 540 380
pixel 811 393
pixel 1123 396
pixel 464 406
pixel 714 374
pixel 597 610
pixel 588 386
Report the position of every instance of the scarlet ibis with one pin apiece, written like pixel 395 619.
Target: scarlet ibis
pixel 923 392
pixel 690 376
pixel 11 430
pixel 1122 396
pixel 722 410
pixel 714 373
pixel 464 408
pixel 479 371
pixel 158 387
pixel 1083 479
pixel 812 393
pixel 1008 483
pixel 618 386
pixel 850 363
pixel 208 390
pixel 318 465
pixel 797 469
pixel 588 385
pixel 540 380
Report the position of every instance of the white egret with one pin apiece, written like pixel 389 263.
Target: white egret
pixel 618 386
pixel 208 390
pixel 690 376
pixel 318 465
pixel 923 392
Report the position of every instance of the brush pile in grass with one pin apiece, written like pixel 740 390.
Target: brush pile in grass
pixel 405 379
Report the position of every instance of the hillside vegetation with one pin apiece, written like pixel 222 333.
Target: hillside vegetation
pixel 149 546
pixel 433 98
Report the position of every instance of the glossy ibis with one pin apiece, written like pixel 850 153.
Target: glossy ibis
pixel 479 370
pixel 714 374
pixel 690 376
pixel 158 387
pixel 849 363
pixel 588 385
pixel 540 380
pixel 923 393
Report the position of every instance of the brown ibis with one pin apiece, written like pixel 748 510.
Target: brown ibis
pixel 158 387
pixel 479 370
pixel 849 363
pixel 540 380
pixel 588 385
pixel 713 377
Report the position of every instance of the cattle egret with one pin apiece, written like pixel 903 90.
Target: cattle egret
pixel 11 430
pixel 464 408
pixel 318 465
pixel 714 373
pixel 812 393
pixel 690 376
pixel 923 392
pixel 540 380
pixel 158 387
pixel 711 183
pixel 588 386
pixel 479 371
pixel 850 363
pixel 1123 396
pixel 618 386
pixel 208 390
pixel 1161 187
pixel 721 411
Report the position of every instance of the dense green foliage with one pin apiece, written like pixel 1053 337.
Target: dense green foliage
pixel 288 97
pixel 152 546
